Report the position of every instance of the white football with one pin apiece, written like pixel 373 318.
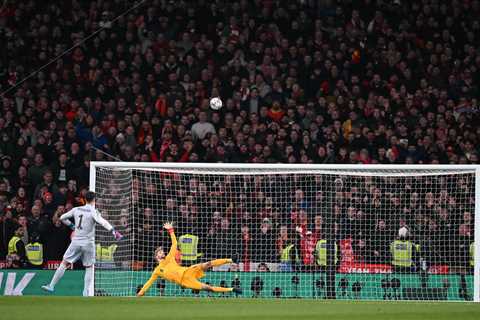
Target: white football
pixel 216 103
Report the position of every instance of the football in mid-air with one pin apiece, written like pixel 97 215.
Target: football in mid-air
pixel 216 103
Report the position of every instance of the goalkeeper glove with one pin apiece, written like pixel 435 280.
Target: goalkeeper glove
pixel 71 226
pixel 168 226
pixel 117 235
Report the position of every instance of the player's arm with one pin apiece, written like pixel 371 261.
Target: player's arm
pixel 173 248
pixel 65 218
pixel 101 221
pixel 104 223
pixel 148 284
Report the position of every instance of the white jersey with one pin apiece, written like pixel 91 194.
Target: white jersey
pixel 85 218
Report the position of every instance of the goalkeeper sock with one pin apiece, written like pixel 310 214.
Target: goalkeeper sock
pixel 222 289
pixel 219 262
pixel 88 282
pixel 58 275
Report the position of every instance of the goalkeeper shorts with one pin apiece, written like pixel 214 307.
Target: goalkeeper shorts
pixel 191 276
pixel 80 250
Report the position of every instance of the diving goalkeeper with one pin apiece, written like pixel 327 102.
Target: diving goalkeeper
pixel 187 277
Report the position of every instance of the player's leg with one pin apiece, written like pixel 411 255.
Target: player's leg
pixel 71 255
pixel 56 277
pixel 190 281
pixel 195 272
pixel 88 282
pixel 208 287
pixel 214 263
pixel 88 260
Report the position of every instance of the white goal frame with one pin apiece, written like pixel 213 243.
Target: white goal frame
pixel 310 168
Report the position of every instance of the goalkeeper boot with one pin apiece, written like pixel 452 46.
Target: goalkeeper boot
pixel 48 288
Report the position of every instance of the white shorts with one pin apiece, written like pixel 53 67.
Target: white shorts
pixel 84 251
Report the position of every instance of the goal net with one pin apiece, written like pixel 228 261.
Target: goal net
pixel 318 231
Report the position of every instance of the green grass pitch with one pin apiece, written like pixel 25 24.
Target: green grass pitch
pixel 105 308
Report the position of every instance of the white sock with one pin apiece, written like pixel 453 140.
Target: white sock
pixel 88 282
pixel 58 275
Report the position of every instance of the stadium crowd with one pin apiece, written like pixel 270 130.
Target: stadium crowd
pixel 255 218
pixel 301 81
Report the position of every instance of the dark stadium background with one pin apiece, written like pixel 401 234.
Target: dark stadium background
pixel 347 82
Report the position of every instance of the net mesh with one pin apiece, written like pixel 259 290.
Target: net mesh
pixel 345 234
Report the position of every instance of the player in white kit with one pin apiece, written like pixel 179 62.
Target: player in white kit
pixel 83 242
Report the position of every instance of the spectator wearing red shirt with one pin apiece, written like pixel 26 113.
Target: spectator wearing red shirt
pixel 307 248
pixel 275 113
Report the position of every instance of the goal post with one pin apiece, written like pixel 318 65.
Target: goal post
pixel 476 282
pixel 391 232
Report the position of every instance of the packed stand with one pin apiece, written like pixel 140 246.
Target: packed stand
pixel 301 81
pixel 256 217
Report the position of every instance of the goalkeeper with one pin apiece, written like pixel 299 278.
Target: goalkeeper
pixel 186 277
